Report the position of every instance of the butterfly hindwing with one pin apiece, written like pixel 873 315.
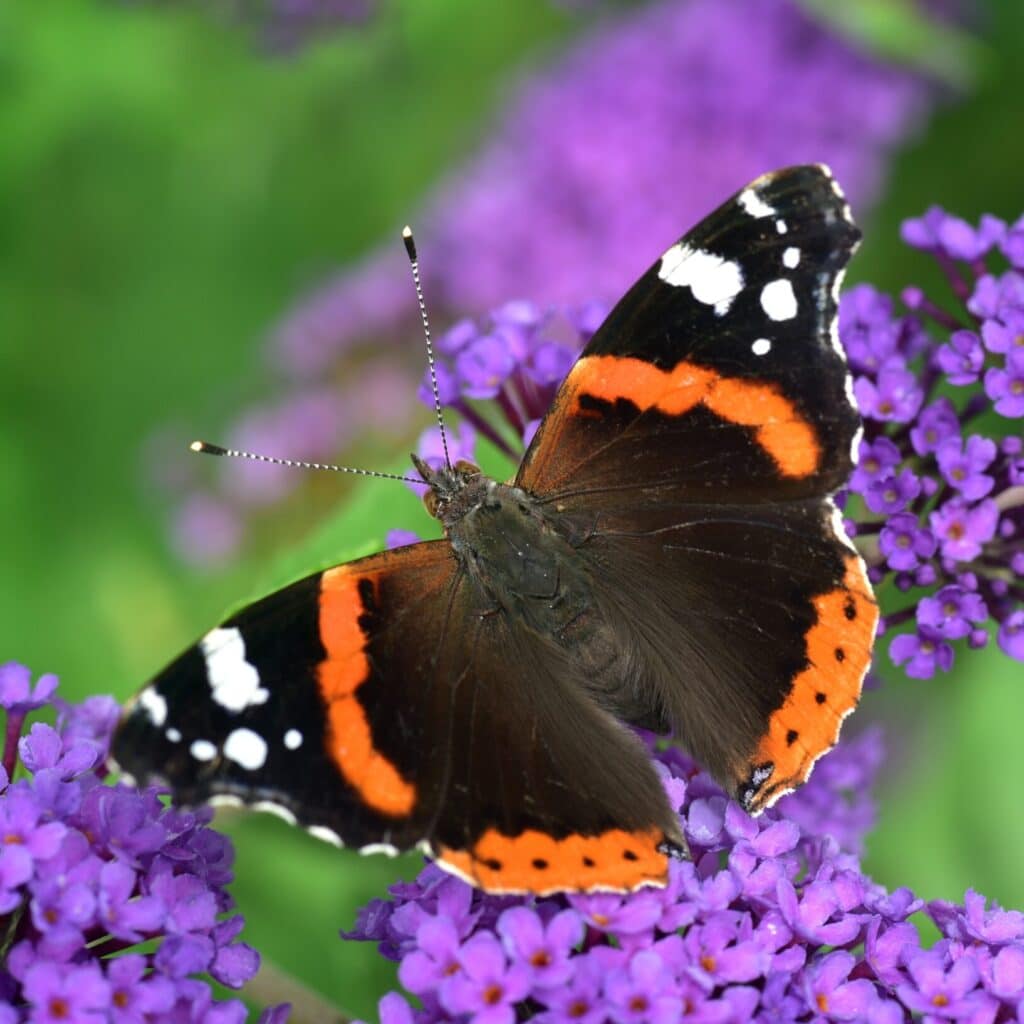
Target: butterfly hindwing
pixel 697 442
pixel 379 705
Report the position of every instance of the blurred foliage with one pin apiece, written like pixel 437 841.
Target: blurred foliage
pixel 165 192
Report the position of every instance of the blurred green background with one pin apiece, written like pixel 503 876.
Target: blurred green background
pixel 167 190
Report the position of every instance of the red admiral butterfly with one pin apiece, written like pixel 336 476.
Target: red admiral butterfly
pixel 667 556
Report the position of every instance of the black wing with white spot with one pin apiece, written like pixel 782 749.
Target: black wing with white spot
pixel 750 293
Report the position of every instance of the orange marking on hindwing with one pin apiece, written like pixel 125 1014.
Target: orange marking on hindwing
pixel 339 676
pixel 823 694
pixel 779 428
pixel 533 862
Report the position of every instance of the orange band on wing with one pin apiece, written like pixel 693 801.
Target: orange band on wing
pixel 838 654
pixel 780 430
pixel 339 675
pixel 537 863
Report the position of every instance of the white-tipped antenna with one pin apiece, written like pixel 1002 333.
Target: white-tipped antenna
pixel 233 453
pixel 410 248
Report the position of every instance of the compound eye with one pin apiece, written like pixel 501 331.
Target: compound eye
pixel 430 500
pixel 466 467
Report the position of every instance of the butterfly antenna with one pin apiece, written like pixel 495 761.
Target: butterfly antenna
pixel 410 248
pixel 234 453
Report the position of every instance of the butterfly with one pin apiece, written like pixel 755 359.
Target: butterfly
pixel 668 556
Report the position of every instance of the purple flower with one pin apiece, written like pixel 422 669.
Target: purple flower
pixel 935 424
pixel 544 949
pixel 905 543
pixel 1005 334
pixel 435 958
pixel 942 989
pixel 487 986
pixel 810 914
pixel 963 465
pixel 963 530
pixel 874 459
pixel 1011 634
pixel 922 653
pixel 579 999
pixel 101 868
pixel 829 990
pixel 16 691
pixel 58 993
pixel 951 236
pixel 1005 385
pixel 1003 975
pixel 894 396
pixel 642 991
pixel 135 996
pixel 892 493
pixel 962 358
pixel 975 922
pixel 721 952
pixel 952 612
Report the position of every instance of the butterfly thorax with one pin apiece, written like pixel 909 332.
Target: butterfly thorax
pixel 521 560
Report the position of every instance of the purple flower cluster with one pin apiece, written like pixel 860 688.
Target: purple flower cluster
pixel 940 482
pixel 772 921
pixel 91 876
pixel 640 129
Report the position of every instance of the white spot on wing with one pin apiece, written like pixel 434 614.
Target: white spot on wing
pixel 225 800
pixel 833 326
pixel 855 446
pixel 780 226
pixel 778 300
pixel 713 280
pixel 234 681
pixel 154 705
pixel 791 257
pixel 293 739
pixel 328 835
pixel 203 750
pixel 174 735
pixel 246 748
pixel 754 204
pixel 761 347
pixel 278 810
pixel 839 528
pixel 386 848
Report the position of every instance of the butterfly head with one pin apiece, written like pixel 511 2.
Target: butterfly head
pixel 452 488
